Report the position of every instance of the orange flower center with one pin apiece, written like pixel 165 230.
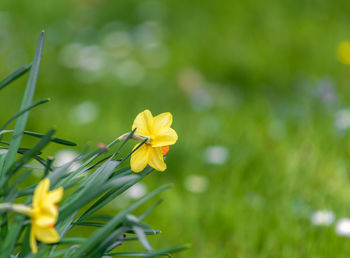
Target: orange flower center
pixel 165 150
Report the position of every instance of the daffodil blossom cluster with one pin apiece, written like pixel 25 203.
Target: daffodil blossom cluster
pixel 90 181
pixel 154 135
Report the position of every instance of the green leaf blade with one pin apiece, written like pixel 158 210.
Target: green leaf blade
pixel 26 102
pixel 15 75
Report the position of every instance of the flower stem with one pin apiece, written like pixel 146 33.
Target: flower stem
pixel 137 137
pixel 19 208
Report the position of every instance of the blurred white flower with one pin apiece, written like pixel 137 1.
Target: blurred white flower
pixel 84 113
pixel 342 119
pixel 326 91
pixel 155 55
pixel 69 55
pixel 189 79
pixel 148 33
pixel 322 218
pixel 200 99
pixel 119 43
pixel 343 227
pixel 91 58
pixel 216 155
pixel 136 191
pixel 130 72
pixel 65 156
pixel 196 183
pixel 194 84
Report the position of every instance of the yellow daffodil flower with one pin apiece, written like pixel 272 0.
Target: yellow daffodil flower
pixel 44 214
pixel 343 52
pixel 159 136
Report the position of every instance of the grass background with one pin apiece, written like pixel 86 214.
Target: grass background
pixel 246 75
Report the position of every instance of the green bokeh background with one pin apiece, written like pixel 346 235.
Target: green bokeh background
pixel 258 78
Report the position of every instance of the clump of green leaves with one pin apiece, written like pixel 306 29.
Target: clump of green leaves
pixel 99 180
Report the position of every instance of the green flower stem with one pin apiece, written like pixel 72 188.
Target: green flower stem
pixel 137 137
pixel 19 208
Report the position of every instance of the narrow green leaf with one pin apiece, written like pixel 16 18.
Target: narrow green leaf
pixel 77 173
pixel 55 140
pixel 86 192
pixel 87 196
pixel 173 249
pixel 162 252
pixel 21 112
pixel 142 237
pixel 33 151
pixel 25 243
pixel 18 181
pixel 102 233
pixel 70 251
pixel 71 240
pixel 135 254
pixel 26 102
pixel 149 210
pixel 3 154
pixel 113 194
pixel 39 135
pixel 48 166
pixel 15 229
pixel 147 232
pixel 113 240
pixel 13 76
pixel 101 217
pixel 90 224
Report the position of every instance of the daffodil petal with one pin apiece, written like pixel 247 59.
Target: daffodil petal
pixel 168 137
pixel 40 191
pixel 47 203
pixel 55 195
pixel 32 242
pixel 162 121
pixel 45 221
pixel 143 123
pixel 156 160
pixel 46 234
pixel 49 209
pixel 139 158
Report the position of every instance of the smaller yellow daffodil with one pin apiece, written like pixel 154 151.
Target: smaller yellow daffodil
pixel 44 214
pixel 343 52
pixel 159 136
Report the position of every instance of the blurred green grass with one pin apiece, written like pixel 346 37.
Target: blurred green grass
pixel 249 76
